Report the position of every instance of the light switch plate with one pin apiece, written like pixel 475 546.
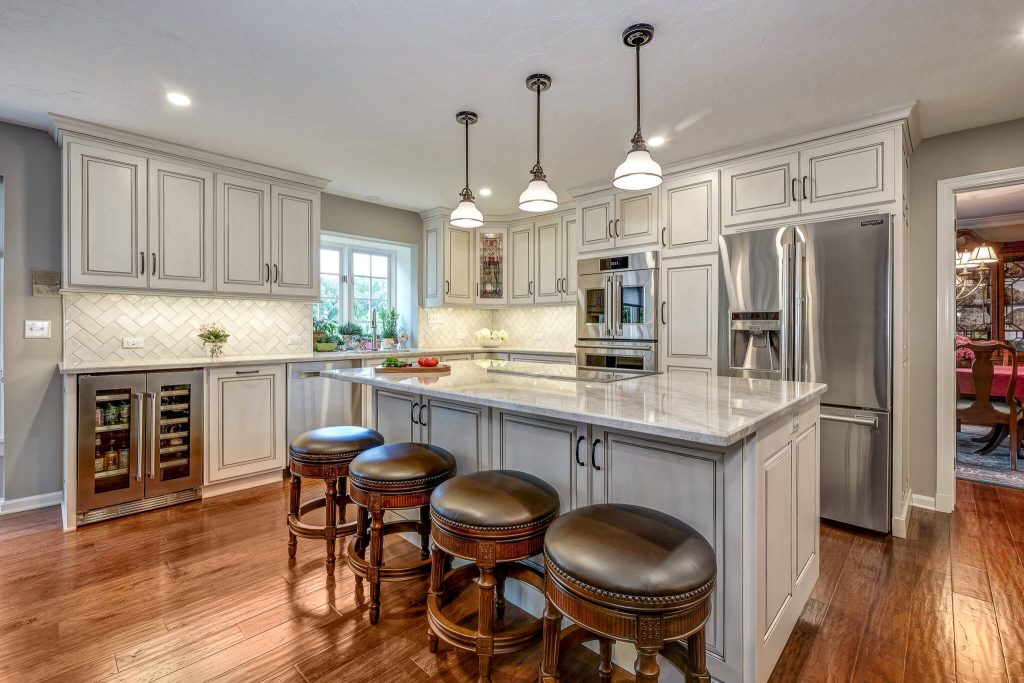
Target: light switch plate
pixel 434 318
pixel 295 339
pixel 133 342
pixel 37 329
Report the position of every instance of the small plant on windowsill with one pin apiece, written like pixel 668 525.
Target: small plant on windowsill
pixel 388 327
pixel 213 336
pixel 349 332
pixel 324 331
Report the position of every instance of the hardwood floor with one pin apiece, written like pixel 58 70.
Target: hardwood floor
pixel 205 591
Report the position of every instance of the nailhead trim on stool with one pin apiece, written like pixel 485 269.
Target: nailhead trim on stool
pixel 397 476
pixel 324 454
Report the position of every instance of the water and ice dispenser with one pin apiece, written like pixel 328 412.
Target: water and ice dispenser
pixel 755 340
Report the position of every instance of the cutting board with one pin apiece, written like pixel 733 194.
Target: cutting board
pixel 411 370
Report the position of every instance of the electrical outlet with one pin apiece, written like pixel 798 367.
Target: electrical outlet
pixel 433 318
pixel 37 329
pixel 295 339
pixel 538 337
pixel 460 338
pixel 133 342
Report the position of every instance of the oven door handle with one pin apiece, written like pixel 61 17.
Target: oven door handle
pixel 609 308
pixel 614 348
pixel 618 305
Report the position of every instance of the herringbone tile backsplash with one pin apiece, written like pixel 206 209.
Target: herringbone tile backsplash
pixel 541 327
pixel 94 325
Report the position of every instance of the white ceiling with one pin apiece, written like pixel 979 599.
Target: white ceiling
pixel 364 92
pixel 990 202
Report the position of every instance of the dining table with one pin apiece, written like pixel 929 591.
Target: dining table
pixel 1001 375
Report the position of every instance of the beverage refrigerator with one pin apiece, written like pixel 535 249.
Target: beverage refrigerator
pixel 140 442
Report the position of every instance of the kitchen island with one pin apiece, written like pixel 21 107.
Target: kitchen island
pixel 736 459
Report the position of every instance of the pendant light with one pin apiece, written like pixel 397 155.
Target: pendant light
pixel 983 254
pixel 538 196
pixel 466 215
pixel 639 171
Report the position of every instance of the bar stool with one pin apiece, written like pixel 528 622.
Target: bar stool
pixel 494 519
pixel 393 477
pixel 324 454
pixel 624 572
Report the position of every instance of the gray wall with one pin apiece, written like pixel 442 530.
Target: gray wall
pixel 354 217
pixel 30 165
pixel 977 150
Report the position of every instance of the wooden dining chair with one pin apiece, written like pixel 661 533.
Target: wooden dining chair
pixel 980 410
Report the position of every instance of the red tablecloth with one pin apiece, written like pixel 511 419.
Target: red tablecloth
pixel 1000 381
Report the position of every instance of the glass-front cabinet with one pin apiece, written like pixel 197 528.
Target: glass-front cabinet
pixel 492 266
pixel 139 436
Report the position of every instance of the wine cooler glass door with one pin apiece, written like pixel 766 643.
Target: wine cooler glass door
pixel 174 448
pixel 111 434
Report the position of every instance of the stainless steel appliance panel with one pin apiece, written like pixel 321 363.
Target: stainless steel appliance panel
pixel 315 402
pixel 174 435
pixel 627 356
pixel 856 467
pixel 844 331
pixel 617 297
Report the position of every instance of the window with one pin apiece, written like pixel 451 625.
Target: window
pixel 371 284
pixel 354 281
pixel 330 305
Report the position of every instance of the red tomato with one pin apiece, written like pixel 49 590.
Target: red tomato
pixel 428 362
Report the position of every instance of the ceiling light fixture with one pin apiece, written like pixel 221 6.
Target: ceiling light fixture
pixel 639 171
pixel 538 196
pixel 485 192
pixel 466 215
pixel 656 141
pixel 179 99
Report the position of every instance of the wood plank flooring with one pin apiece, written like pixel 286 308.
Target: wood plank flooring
pixel 205 591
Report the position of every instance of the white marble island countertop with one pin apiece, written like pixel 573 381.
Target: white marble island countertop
pixel 717 411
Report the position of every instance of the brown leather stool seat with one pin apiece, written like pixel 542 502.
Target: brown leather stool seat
pixel 393 477
pixel 625 572
pixel 494 519
pixel 324 454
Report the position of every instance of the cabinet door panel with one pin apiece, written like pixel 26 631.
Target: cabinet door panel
pixel 243 235
pixel 247 422
pixel 461 430
pixel 778 515
pixel 458 266
pixel 295 242
pixel 542 448
pixel 807 491
pixel 521 254
pixel 595 216
pixel 393 416
pixel 636 218
pixel 690 213
pixel 180 227
pixel 571 234
pixel 433 262
pixel 759 190
pixel 848 173
pixel 690 288
pixel 549 262
pixel 107 214
pixel 492 266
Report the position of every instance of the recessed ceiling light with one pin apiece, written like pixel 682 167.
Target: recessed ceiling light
pixel 656 141
pixel 485 192
pixel 373 198
pixel 179 99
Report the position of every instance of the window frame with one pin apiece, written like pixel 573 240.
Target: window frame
pixel 346 277
pixel 390 256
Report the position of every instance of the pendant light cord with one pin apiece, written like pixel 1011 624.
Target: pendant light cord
pixel 466 124
pixel 538 124
pixel 638 90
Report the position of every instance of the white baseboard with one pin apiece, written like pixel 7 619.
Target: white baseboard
pixel 944 502
pixel 925 502
pixel 43 500
pixel 901 519
pixel 220 488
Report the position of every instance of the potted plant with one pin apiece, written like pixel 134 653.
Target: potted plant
pixel 388 328
pixel 213 336
pixel 349 332
pixel 323 329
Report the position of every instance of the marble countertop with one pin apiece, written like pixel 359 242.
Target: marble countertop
pixel 717 411
pixel 145 364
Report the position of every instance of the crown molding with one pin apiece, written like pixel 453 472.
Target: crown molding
pixel 990 221
pixel 60 126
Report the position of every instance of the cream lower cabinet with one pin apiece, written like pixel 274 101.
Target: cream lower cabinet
pixel 246 421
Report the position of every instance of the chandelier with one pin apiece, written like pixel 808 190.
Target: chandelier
pixel 972 272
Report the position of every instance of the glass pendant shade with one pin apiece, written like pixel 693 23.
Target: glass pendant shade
pixel 964 260
pixel 638 172
pixel 983 254
pixel 538 197
pixel 466 215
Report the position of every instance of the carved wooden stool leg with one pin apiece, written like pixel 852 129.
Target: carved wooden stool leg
pixel 605 670
pixel 485 628
pixel 331 524
pixel 362 529
pixel 424 532
pixel 646 666
pixel 696 659
pixel 295 494
pixel 552 634
pixel 375 561
pixel 437 564
pixel 499 591
pixel 341 499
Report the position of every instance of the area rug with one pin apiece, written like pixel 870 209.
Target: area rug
pixel 993 468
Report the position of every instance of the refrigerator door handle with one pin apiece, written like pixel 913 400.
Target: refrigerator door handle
pixel 139 433
pixel 153 440
pixel 853 420
pixel 787 330
pixel 798 311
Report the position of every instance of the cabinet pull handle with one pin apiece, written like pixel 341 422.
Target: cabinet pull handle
pixel 792 189
pixel 478 290
pixel 275 273
pixel 268 272
pixel 153 437
pixel 593 454
pixel 663 244
pixel 447 286
pixel 579 440
pixel 142 263
pixel 617 235
pixel 803 184
pixel 139 435
pixel 531 287
pixel 247 372
pixel 664 320
pixel 420 416
pixel 412 413
pixel 154 263
pixel 609 229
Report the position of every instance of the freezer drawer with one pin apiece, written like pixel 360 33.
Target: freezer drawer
pixel 856 467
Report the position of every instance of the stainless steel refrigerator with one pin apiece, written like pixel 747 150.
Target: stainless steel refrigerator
pixel 813 303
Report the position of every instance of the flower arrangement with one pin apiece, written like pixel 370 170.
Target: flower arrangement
pixel 213 336
pixel 490 338
pixel 964 356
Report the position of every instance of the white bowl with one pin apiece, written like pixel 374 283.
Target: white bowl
pixel 491 343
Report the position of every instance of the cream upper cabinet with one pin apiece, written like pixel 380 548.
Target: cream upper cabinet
pixel 492 265
pixel 106 217
pixel 636 218
pixel 851 172
pixel 294 242
pixel 570 232
pixel 760 190
pixel 595 216
pixel 549 260
pixel 246 421
pixel 689 312
pixel 690 214
pixel 433 261
pixel 243 235
pixel 180 227
pixel 521 254
pixel 459 266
